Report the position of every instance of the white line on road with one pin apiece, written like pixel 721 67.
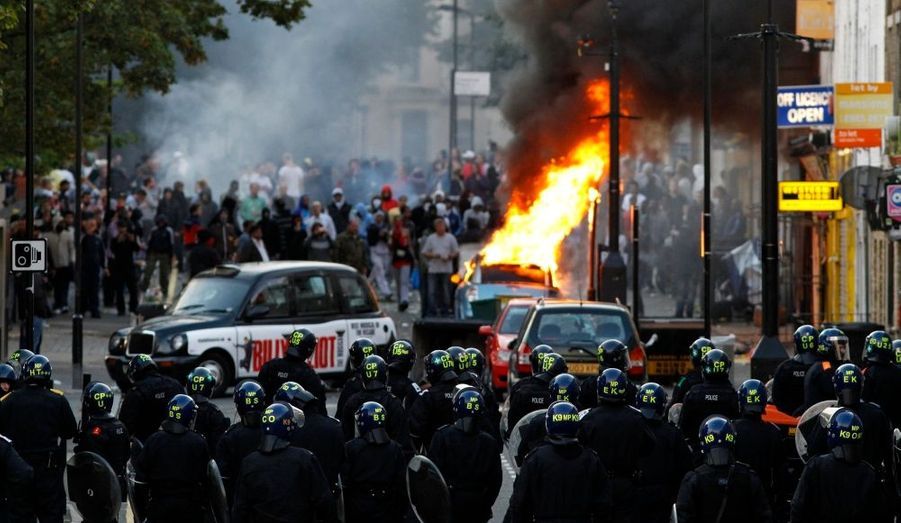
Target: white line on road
pixel 508 467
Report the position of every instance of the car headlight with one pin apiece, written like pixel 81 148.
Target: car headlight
pixel 177 343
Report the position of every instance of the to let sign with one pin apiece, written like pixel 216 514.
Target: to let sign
pixel 810 197
pixel 804 106
pixel 860 113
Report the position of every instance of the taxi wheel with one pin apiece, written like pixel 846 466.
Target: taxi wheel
pixel 220 367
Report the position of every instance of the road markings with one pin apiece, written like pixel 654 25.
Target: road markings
pixel 508 467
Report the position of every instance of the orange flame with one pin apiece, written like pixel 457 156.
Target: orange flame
pixel 533 232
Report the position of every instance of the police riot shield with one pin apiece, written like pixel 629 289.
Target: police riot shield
pixel 896 459
pixel 137 494
pixel 216 493
pixel 516 435
pixel 810 436
pixel 339 499
pixel 583 413
pixel 675 414
pixel 427 491
pixel 93 487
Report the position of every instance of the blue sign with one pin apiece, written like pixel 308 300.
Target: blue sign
pixel 805 106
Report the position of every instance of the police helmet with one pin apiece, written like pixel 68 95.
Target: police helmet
pixel 717 441
pixel 715 364
pixel 139 366
pixel 375 373
pixel 698 349
pixel 360 349
pixel 401 356
pixel 301 344
pixel 552 364
pixel 651 401
pixel 293 394
pixel 832 345
pixel 201 382
pixel 37 370
pixel 468 407
pixel 896 347
pixel 476 361
pixel 561 422
pixel 752 397
pixel 538 354
pixel 18 358
pixel 458 354
pixel 8 375
pixel 249 397
pixel 565 387
pixel 439 367
pixel 805 338
pixel 848 384
pixel 371 420
pixel 97 400
pixel 278 424
pixel 845 436
pixel 182 411
pixel 878 347
pixel 612 386
pixel 613 354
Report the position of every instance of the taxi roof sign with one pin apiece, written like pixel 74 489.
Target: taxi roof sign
pixel 821 196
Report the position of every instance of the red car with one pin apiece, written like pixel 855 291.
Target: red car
pixel 498 338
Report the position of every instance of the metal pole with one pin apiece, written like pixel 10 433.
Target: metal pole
pixel 472 67
pixel 28 330
pixel 109 140
pixel 705 236
pixel 636 283
pixel 769 184
pixel 77 318
pixel 452 141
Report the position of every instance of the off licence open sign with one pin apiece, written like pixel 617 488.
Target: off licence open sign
pixel 804 106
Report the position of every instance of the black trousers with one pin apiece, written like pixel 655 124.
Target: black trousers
pixel 123 278
pixel 90 289
pixel 47 503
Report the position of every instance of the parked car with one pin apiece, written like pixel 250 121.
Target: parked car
pixel 234 318
pixel 497 340
pixel 486 282
pixel 575 329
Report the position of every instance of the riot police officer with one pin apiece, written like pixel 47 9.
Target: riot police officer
pixel 375 485
pixel 714 395
pixel 832 348
pixel 8 379
pixel 171 470
pixel 840 486
pixel 896 349
pixel 375 379
pixel 320 434
pixel 612 354
pixel 293 367
pixel 470 366
pixel 561 480
pixel 696 351
pixel 468 459
pixel 620 436
pixel 359 349
pixel 434 406
pixel 564 387
pixel 281 479
pixel 210 423
pixel 883 379
pixel 100 431
pixel 38 420
pixel 788 381
pixel 145 404
pixel 758 443
pixel 721 489
pixel 848 382
pixel 532 393
pixel 17 359
pixel 15 483
pixel 400 360
pixel 243 437
pixel 662 470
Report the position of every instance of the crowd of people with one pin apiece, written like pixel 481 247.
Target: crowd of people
pixel 631 454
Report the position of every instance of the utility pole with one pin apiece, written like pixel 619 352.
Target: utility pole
pixel 28 330
pixel 706 232
pixel 77 317
pixel 109 142
pixel 452 141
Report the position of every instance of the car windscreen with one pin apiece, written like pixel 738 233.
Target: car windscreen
pixel 513 320
pixel 211 296
pixel 566 327
pixel 512 274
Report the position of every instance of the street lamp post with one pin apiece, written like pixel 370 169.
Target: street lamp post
pixel 452 141
pixel 705 237
pixel 77 317
pixel 28 331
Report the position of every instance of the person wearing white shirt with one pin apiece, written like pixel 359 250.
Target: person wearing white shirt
pixel 290 176
pixel 317 216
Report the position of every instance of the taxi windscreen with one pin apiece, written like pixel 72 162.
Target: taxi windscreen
pixel 211 296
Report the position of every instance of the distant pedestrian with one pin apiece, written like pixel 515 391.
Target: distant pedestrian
pixel 319 246
pixel 440 250
pixel 203 256
pixel 351 250
pixel 339 210
pixel 93 263
pixel 160 251
pixel 255 250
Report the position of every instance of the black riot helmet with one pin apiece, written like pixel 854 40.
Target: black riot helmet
pixel 698 349
pixel 38 371
pixel 552 365
pixel 401 356
pixel 374 373
pixel 538 354
pixel 832 345
pixel 468 408
pixel 896 349
pixel 717 437
pixel 805 338
pixel 301 344
pixel 845 436
pixel 878 348
pixel 371 420
pixel 278 424
pixel 752 397
pixel 848 384
pixel 8 378
pixel 476 361
pixel 140 366
pixel 97 400
pixel 181 411
pixel 613 354
pixel 201 382
pixel 360 349
pixel 715 365
pixel 458 354
pixel 293 394
pixel 612 386
pixel 439 366
pixel 18 358
pixel 249 400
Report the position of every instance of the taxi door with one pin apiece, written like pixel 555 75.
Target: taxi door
pixel 263 338
pixel 318 308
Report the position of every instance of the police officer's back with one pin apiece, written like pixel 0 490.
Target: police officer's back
pixel 374 473
pixel 876 443
pixel 714 395
pixel 358 350
pixel 211 422
pixel 721 489
pixel 882 385
pixel 9 379
pixel 400 359
pixel 243 437
pixel 758 443
pixel 562 480
pixel 100 431
pixel 620 436
pixel 832 349
pixel 434 406
pixel 320 434
pixel 564 387
pixel 470 369
pixel 293 367
pixel 532 393
pixel 375 379
pixel 279 482
pixel 696 351
pixel 172 466
pixel 16 478
pixel 788 380
pixel 612 354
pixel 39 420
pixel 468 460
pixel 144 405
pixel 662 470
pixel 840 486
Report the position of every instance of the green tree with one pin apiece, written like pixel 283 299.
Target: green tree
pixel 139 39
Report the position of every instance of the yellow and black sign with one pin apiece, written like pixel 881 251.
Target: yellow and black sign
pixel 810 197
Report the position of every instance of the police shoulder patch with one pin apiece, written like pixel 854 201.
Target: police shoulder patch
pixel 58 392
pixel 416 388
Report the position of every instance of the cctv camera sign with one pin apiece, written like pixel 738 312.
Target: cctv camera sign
pixel 29 256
